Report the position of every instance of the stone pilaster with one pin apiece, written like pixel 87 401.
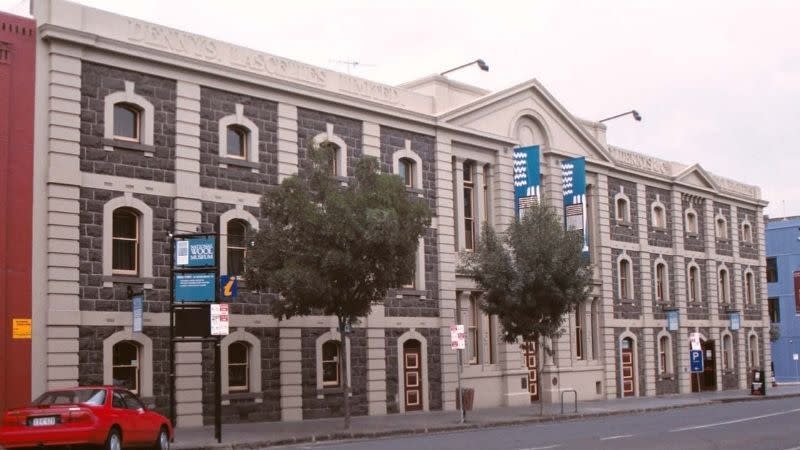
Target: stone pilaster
pixel 291 374
pixel 371 142
pixel 189 384
pixel 502 190
pixel 446 234
pixel 287 141
pixel 63 209
pixel 678 276
pixel 761 293
pixel 376 371
pixel 716 337
pixel 650 360
pixel 603 273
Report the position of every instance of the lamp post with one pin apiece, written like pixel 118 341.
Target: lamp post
pixel 483 66
pixel 636 116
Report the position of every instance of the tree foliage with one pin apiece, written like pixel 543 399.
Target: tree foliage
pixel 532 276
pixel 333 249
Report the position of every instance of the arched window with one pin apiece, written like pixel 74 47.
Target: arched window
pixel 127 122
pixel 664 355
pixel 333 158
pixel 727 352
pixel 659 217
pixel 691 222
pixel 580 312
pixel 749 288
pixel 238 367
pixel 625 279
pixel 724 286
pixel 237 141
pixel 722 228
pixel 661 282
pixel 125 238
pixel 237 246
pixel 753 351
pixel 405 169
pixel 623 212
pixel 747 233
pixel 694 284
pixel 125 365
pixel 331 364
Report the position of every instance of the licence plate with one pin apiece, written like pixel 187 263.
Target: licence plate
pixel 43 421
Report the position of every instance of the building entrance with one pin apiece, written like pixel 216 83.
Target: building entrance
pixel 628 369
pixel 412 374
pixel 708 378
pixel 530 355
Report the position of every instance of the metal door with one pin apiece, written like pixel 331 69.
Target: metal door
pixel 412 374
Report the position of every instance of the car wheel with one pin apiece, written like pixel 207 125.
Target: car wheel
pixel 114 440
pixel 162 443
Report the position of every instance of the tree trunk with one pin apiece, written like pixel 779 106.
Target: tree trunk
pixel 345 378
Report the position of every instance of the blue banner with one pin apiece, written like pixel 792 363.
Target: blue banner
pixel 195 287
pixel 527 181
pixel 573 173
pixel 196 252
pixel 672 320
pixel 138 312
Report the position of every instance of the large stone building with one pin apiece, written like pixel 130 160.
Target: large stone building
pixel 142 129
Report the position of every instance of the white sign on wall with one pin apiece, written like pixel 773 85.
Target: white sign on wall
pixel 220 319
pixel 458 339
pixel 795 356
pixel 694 341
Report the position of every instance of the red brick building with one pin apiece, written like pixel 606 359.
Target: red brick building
pixel 17 64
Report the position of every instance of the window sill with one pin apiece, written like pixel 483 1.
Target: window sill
pixel 412 292
pixel 257 397
pixel 321 393
pixel 415 190
pixel 723 241
pixel 224 162
pixel 660 229
pixel 624 223
pixel 109 280
pixel 666 377
pixel 118 144
pixel 693 235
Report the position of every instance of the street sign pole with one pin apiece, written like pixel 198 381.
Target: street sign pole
pixel 460 391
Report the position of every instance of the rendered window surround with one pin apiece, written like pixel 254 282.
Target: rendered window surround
pixel 691 218
pixel 121 111
pixel 145 363
pixel 409 335
pixel 253 359
pixel 238 121
pixel 721 227
pixel 409 156
pixel 123 218
pixel 727 352
pixel 237 141
pixel 662 293
pixel 749 287
pixel 622 209
pixel 665 363
pixel 753 356
pixel 236 248
pixel 331 335
pixel 146 118
pixel 418 281
pixel 473 330
pixel 694 283
pixel 237 213
pixel 747 232
pixel 658 213
pixel 341 151
pixel 724 286
pixel 625 278
pixel 145 257
pixel 580 344
pixel 239 358
pixel 469 205
pixel 125 356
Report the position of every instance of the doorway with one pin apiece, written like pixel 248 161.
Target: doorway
pixel 708 378
pixel 531 358
pixel 412 374
pixel 628 369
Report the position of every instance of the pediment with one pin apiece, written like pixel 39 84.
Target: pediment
pixel 696 176
pixel 503 113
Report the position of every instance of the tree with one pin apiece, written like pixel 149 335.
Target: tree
pixel 336 247
pixel 532 276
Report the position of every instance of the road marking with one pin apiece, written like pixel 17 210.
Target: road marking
pixel 619 436
pixel 546 447
pixel 746 419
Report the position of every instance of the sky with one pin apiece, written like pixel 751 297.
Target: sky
pixel 716 82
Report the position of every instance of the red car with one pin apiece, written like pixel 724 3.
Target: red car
pixel 104 415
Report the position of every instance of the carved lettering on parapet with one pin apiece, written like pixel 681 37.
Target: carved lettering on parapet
pixel 369 90
pixel 173 41
pixel 642 162
pixel 736 187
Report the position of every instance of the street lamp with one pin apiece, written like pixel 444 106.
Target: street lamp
pixel 481 63
pixel 636 116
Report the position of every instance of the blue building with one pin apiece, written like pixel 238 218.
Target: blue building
pixel 783 266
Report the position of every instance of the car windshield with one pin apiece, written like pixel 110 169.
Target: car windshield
pixel 72 397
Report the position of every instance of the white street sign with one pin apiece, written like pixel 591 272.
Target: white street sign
pixel 694 340
pixel 220 319
pixel 458 339
pixel 795 357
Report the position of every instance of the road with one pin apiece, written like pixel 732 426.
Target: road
pixel 754 425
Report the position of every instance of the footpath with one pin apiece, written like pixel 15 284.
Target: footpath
pixel 267 434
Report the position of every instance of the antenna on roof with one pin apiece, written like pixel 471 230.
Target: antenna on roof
pixel 351 64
